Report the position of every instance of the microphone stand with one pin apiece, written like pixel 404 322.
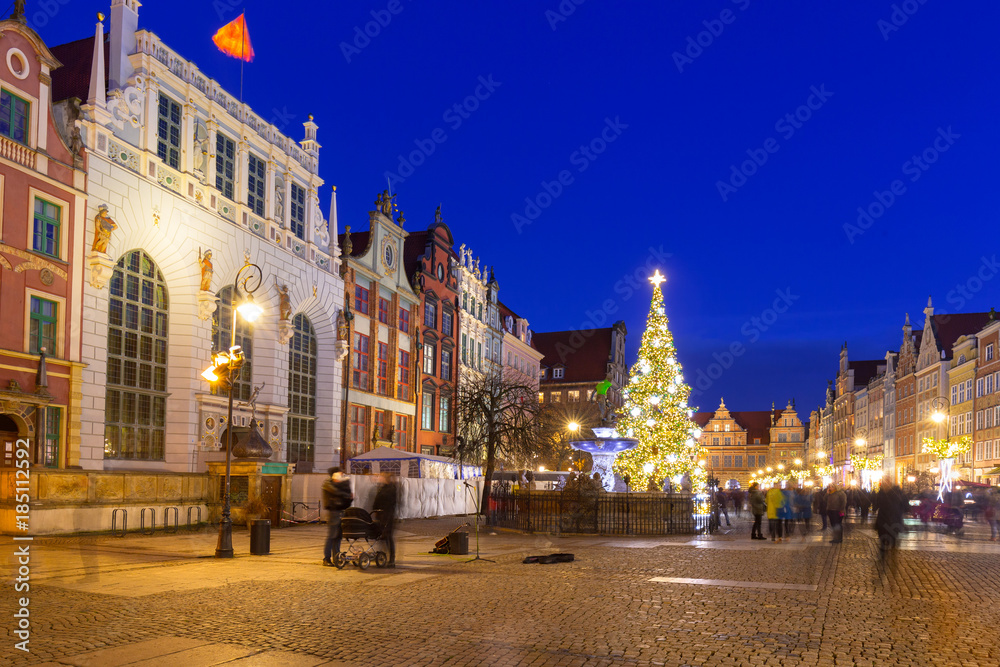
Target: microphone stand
pixel 477 503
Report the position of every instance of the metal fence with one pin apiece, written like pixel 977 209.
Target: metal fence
pixel 601 513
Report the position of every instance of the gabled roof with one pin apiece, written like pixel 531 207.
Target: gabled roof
pixel 584 362
pixel 413 249
pixel 73 78
pixel 359 242
pixel 949 328
pixel 865 370
pixel 756 423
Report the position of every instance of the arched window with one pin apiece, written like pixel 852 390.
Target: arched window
pixel 302 392
pixel 222 331
pixel 135 403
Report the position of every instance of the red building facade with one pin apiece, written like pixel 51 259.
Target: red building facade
pixel 42 246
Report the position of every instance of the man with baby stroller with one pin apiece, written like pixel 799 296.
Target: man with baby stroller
pixel 337 497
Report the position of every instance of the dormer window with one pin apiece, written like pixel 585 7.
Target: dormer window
pixel 557 373
pixel 14 117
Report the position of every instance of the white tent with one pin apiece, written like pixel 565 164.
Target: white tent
pixel 410 464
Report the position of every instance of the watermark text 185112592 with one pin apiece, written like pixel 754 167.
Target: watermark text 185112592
pixel 22 552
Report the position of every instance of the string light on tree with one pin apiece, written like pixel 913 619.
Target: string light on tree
pixel 656 410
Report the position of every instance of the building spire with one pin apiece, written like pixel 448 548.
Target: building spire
pixel 98 95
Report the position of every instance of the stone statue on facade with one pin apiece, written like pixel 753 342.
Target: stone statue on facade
pixel 342 330
pixel 400 220
pixel 76 147
pixel 103 226
pixel 437 216
pixel 284 303
pixel 201 149
pixel 205 259
pixel 383 203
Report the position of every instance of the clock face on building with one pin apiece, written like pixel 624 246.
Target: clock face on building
pixel 388 255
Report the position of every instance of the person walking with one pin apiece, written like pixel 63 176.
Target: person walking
pixel 803 508
pixel 992 513
pixel 789 515
pixel 757 507
pixel 836 507
pixel 775 503
pixel 864 504
pixel 819 505
pixel 386 503
pixel 889 518
pixel 720 498
pixel 337 497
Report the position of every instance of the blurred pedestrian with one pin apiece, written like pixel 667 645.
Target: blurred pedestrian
pixel 337 497
pixel 836 507
pixel 803 509
pixel 775 503
pixel 757 507
pixel 386 503
pixel 788 512
pixel 889 520
pixel 864 504
pixel 992 513
pixel 720 499
pixel 819 505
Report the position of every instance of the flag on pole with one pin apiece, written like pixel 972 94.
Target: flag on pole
pixel 234 40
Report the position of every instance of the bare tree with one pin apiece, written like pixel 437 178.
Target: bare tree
pixel 497 419
pixel 556 434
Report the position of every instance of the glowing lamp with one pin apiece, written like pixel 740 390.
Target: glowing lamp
pixel 573 426
pixel 648 468
pixel 761 472
pixel 798 462
pixel 541 468
pixel 209 374
pixel 781 467
pixel 860 442
pixel 911 478
pixel 937 416
pixel 249 310
pixel 820 454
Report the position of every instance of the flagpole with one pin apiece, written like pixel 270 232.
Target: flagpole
pixel 243 43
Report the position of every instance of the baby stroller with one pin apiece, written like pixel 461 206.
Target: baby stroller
pixel 361 532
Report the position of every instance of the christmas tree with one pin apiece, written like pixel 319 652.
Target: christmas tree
pixel 656 411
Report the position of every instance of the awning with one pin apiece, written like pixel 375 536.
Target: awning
pixel 995 471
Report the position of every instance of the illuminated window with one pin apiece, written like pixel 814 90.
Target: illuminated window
pixel 302 359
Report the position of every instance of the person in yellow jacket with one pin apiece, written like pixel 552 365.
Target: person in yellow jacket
pixel 775 501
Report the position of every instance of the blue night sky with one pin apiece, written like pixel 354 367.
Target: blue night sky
pixel 558 87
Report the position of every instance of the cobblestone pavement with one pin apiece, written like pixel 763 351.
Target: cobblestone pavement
pixel 164 600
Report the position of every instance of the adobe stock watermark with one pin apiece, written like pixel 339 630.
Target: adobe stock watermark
pixel 786 126
pixel 898 17
pixel 581 158
pixel 454 116
pixel 914 168
pixel 627 286
pixel 697 43
pixel 563 11
pixel 22 552
pixel 752 330
pixel 47 10
pixel 966 291
pixel 363 35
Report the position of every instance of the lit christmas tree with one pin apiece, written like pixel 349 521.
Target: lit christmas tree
pixel 656 410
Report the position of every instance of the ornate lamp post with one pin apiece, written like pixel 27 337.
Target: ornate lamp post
pixel 225 370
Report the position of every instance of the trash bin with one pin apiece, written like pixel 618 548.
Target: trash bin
pixel 260 537
pixel 458 543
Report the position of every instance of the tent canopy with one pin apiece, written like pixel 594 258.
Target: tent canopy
pixel 411 464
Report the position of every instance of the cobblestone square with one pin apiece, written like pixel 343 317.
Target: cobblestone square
pixel 718 600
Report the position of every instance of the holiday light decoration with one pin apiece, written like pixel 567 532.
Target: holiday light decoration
pixel 656 410
pixel 946 450
pixel 870 470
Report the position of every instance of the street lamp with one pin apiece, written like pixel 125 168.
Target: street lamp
pixel 941 409
pixel 225 370
pixel 573 426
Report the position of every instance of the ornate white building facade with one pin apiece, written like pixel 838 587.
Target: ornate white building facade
pixel 181 168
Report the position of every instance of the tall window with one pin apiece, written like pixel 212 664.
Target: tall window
pixel 444 414
pixel 50 448
pixel 135 402
pixel 403 385
pixel 430 315
pixel 404 320
pixel 479 365
pixel 360 374
pixel 383 369
pixel 222 331
pixel 383 310
pixel 168 132
pixel 427 411
pixel 379 428
pixel 361 299
pixel 446 364
pixel 429 354
pixel 225 165
pixel 465 341
pixel 45 236
pixel 302 358
pixel 447 321
pixel 402 431
pixel 255 184
pixel 14 114
pixel 356 430
pixel 297 212
pixel 44 320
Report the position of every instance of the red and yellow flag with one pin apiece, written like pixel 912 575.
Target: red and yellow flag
pixel 234 40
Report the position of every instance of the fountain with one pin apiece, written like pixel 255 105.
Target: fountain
pixel 603 449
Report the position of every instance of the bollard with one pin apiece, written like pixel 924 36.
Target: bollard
pixel 114 522
pixel 166 519
pixel 142 520
pixel 260 537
